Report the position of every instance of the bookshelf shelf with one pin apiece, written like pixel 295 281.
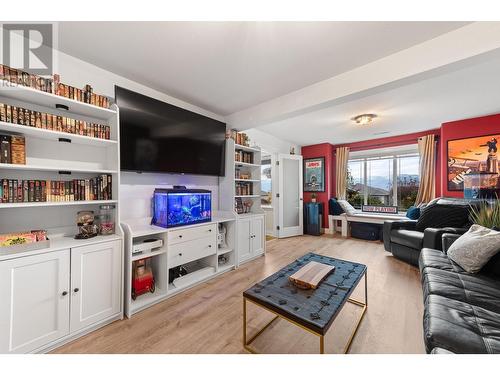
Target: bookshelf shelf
pixel 56 204
pixel 55 135
pixel 247 196
pixel 245 180
pixel 50 168
pixel 242 164
pixel 48 100
pixel 246 148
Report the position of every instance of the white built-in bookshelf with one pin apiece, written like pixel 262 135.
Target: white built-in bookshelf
pixel 241 173
pixel 56 155
pixel 250 226
pixel 80 281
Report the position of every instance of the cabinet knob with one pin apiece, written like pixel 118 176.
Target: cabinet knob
pixel 64 293
pixel 180 235
pixel 209 245
pixel 210 230
pixel 76 290
pixel 180 254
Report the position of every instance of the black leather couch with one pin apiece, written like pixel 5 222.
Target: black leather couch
pixel 461 310
pixel 405 239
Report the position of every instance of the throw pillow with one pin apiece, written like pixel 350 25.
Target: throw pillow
pixel 437 215
pixel 474 249
pixel 413 213
pixel 334 207
pixel 346 206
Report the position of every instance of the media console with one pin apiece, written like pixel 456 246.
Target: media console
pixel 194 247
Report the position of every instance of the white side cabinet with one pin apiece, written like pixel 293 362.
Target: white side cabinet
pixel 251 237
pixel 35 301
pixel 95 283
pixel 47 297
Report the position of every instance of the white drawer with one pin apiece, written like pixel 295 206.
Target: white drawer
pixel 191 250
pixel 188 234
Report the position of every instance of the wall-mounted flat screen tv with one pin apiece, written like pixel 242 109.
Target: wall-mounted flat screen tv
pixel 159 137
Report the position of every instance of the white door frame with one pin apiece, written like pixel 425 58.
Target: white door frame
pixel 290 231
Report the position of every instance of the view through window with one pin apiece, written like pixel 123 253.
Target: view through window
pixel 388 180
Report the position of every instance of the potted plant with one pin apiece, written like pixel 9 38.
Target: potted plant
pixel 487 215
pixel 313 197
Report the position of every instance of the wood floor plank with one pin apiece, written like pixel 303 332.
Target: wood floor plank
pixel 208 318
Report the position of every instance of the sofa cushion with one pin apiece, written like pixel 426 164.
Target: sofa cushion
pixel 460 327
pixel 479 291
pixel 409 238
pixel 441 213
pixel 437 259
pixel 475 248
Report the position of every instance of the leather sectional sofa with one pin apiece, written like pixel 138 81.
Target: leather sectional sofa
pixel 461 310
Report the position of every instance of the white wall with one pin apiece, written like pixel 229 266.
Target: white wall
pixel 270 143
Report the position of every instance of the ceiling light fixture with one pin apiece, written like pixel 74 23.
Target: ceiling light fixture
pixel 364 119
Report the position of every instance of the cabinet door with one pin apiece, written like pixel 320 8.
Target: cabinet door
pixel 95 283
pixel 258 235
pixel 34 295
pixel 244 240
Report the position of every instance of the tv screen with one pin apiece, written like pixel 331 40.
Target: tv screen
pixel 159 137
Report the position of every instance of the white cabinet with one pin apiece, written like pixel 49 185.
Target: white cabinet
pixel 258 233
pixel 251 237
pixel 35 301
pixel 48 296
pixel 244 239
pixel 95 283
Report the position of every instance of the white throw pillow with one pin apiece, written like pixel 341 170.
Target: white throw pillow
pixel 346 206
pixel 474 249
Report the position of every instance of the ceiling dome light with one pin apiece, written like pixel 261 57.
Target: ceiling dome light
pixel 364 119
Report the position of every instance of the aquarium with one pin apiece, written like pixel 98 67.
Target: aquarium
pixel 481 186
pixel 177 207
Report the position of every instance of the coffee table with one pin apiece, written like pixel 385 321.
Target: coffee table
pixel 313 310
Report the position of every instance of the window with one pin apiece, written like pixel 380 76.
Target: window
pixel 266 180
pixel 384 180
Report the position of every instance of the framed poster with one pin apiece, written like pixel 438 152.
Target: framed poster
pixel 469 156
pixel 314 174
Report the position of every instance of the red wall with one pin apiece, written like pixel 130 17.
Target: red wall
pixel 322 150
pixel 473 127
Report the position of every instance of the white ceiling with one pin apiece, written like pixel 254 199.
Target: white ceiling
pixel 467 92
pixel 225 67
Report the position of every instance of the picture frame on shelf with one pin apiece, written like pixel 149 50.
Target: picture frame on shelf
pixel 314 174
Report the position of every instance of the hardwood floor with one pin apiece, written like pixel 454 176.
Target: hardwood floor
pixel 208 318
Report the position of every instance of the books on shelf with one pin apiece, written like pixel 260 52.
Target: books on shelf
pixel 23 191
pixel 13 149
pixel 53 86
pixel 244 188
pixel 28 117
pixel 243 156
pixel 239 138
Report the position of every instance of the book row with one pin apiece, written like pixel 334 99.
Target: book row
pixel 23 191
pixel 12 149
pixel 54 86
pixel 244 157
pixel 28 117
pixel 244 188
pixel 239 138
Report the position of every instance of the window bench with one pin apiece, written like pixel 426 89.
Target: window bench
pixel 359 217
